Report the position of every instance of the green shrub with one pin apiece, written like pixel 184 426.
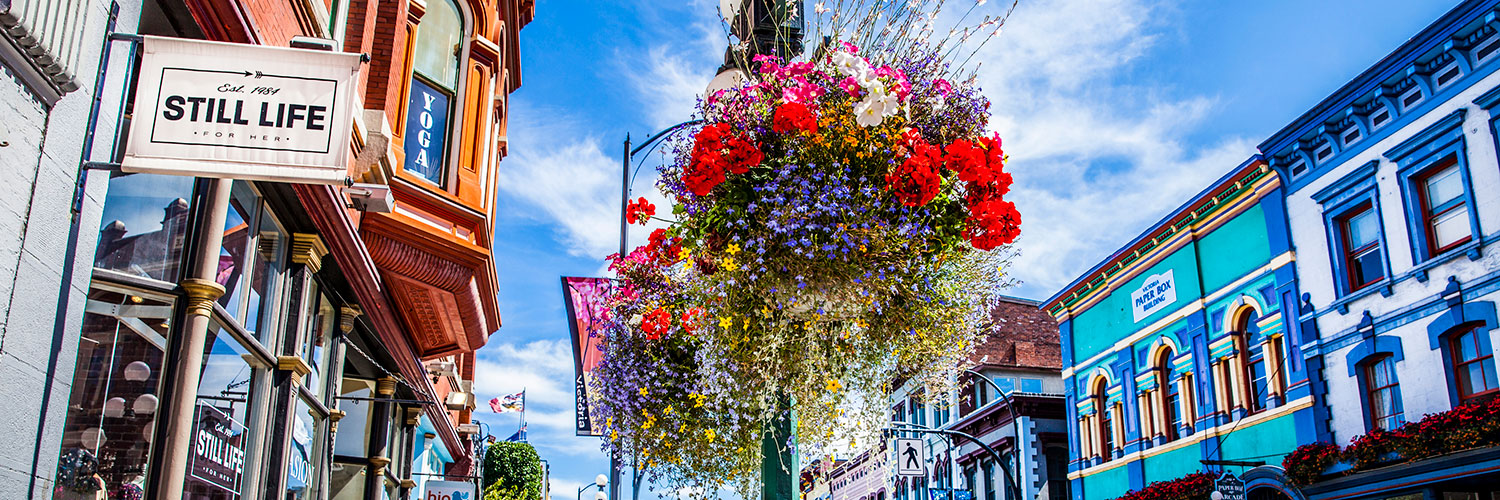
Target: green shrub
pixel 513 470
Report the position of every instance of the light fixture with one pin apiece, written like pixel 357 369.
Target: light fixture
pixel 599 495
pixel 92 438
pixel 114 407
pixel 137 371
pixel 145 404
pixel 601 480
pixel 367 197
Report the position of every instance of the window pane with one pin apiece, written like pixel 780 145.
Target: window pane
pixel 1258 380
pixel 1364 229
pixel 111 414
pixel 1451 227
pixel 300 460
pixel 263 302
pixel 325 319
pixel 1467 348
pixel 1033 385
pixel 438 39
pixel 1444 187
pixel 1367 267
pixel 348 482
pixel 237 240
pixel 217 465
pixel 144 224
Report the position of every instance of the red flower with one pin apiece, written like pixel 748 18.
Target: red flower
pixel 662 249
pixel 717 150
pixel 656 323
pixel 915 182
pixel 794 116
pixel 639 211
pixel 692 319
pixel 992 223
pixel 967 160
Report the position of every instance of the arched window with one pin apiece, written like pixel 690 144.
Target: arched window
pixel 1250 377
pixel 1106 428
pixel 1383 393
pixel 1168 399
pixel 435 83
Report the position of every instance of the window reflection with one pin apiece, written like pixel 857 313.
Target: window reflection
pixel 144 225
pixel 112 411
pixel 253 245
pixel 302 460
pixel 216 465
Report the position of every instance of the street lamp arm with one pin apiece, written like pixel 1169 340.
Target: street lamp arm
pixel 663 133
pixel 1010 407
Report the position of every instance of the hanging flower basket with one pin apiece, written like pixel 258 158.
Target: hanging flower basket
pixel 840 222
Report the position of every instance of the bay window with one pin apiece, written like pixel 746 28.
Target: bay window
pixel 434 88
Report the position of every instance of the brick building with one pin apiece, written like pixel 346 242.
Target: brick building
pixel 233 338
pixel 1018 412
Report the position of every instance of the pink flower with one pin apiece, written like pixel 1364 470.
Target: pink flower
pixel 942 86
pixel 850 85
pixel 802 91
pixel 768 64
pixel 851 48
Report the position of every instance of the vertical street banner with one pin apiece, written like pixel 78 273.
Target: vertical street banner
pixel 229 110
pixel 586 300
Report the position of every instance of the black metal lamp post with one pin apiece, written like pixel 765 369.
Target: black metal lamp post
pixel 1014 425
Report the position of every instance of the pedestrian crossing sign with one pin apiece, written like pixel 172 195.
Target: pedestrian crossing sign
pixel 911 458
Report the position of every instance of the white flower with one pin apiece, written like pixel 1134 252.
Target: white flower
pixel 850 64
pixel 819 8
pixel 872 110
pixel 890 103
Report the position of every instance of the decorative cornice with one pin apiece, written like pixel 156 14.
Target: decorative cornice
pixel 413 416
pixel 308 249
pixel 377 465
pixel 408 483
pixel 385 386
pixel 201 294
pixel 294 364
pixel 347 315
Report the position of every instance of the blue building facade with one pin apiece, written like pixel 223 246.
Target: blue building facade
pixel 1393 202
pixel 1182 346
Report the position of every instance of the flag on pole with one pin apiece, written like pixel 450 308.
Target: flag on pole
pixel 519 436
pixel 511 402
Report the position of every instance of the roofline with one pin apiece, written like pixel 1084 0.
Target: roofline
pixel 1181 210
pixel 1020 300
pixel 1435 34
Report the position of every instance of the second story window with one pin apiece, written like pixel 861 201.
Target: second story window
pixel 1359 236
pixel 434 87
pixel 1170 415
pixel 1473 364
pixel 1444 207
pixel 1383 393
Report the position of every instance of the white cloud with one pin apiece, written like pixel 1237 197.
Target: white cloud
pixel 1095 161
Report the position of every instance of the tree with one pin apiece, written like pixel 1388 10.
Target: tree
pixel 513 471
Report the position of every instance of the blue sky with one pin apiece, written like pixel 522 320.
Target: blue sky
pixel 1114 112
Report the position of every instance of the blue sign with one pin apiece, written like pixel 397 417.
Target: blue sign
pixel 426 131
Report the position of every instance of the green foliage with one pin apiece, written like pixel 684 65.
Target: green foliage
pixel 512 471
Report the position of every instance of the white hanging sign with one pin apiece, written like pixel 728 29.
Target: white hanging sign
pixel 228 110
pixel 1156 293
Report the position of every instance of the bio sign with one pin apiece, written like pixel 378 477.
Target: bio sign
pixel 1155 294
pixel 212 109
pixel 448 490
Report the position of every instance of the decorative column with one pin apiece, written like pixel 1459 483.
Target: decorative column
pixel 409 435
pixel 380 423
pixel 187 349
pixel 1148 418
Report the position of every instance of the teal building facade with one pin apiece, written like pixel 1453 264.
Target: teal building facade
pixel 1181 350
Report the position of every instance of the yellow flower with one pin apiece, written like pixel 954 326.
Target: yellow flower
pixel 667 411
pixel 733 249
pixel 833 385
pixel 729 264
pixel 687 254
pixel 644 391
pixel 609 422
pixel 725 322
pixel 710 434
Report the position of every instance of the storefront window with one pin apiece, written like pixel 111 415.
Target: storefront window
pixel 220 439
pixel 111 416
pixel 325 319
pixel 253 246
pixel 348 482
pixel 144 225
pixel 303 459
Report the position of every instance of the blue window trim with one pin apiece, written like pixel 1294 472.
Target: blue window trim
pixel 1414 157
pixel 1355 189
pixel 1460 315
